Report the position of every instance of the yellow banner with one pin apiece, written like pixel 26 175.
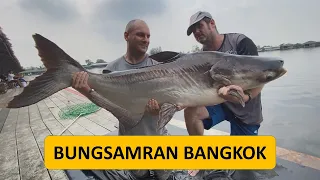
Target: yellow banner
pixel 160 152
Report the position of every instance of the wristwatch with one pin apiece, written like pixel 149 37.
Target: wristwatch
pixel 91 90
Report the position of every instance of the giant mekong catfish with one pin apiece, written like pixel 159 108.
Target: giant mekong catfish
pixel 191 80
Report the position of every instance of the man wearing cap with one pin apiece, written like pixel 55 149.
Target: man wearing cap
pixel 243 120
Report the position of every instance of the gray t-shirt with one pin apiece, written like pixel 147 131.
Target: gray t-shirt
pixel 148 124
pixel 236 43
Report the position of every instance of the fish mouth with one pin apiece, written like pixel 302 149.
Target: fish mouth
pixel 283 71
pixel 273 75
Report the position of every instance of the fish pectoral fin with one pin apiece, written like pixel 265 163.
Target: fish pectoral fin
pixel 217 71
pixel 126 119
pixel 236 94
pixel 220 80
pixel 166 113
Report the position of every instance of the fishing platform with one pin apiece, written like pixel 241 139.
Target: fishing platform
pixel 23 130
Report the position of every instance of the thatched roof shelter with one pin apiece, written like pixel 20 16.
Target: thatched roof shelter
pixel 8 61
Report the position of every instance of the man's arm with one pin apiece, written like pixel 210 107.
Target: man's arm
pixel 247 47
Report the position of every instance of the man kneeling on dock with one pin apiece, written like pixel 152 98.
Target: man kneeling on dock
pixel 244 120
pixel 137 36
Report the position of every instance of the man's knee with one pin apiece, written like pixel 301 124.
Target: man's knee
pixel 240 128
pixel 196 113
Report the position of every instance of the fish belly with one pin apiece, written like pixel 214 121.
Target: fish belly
pixel 184 91
pixel 208 97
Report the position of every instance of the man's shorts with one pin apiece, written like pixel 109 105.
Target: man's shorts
pixel 218 114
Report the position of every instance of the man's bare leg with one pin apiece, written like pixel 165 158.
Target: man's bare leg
pixel 193 117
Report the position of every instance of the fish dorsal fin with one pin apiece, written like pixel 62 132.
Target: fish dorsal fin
pixel 165 56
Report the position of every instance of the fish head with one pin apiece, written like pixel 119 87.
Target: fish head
pixel 247 71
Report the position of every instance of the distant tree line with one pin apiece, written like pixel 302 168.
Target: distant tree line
pixel 158 49
pixel 89 61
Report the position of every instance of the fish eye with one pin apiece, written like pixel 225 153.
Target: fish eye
pixel 269 78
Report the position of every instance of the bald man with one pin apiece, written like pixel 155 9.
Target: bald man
pixel 137 36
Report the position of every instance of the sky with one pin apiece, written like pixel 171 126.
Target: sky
pixel 93 29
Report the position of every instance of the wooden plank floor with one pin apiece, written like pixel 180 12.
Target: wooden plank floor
pixel 23 130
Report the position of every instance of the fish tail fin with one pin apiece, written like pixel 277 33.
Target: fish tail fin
pixel 60 67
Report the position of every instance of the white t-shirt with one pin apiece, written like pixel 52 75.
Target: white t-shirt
pixel 10 77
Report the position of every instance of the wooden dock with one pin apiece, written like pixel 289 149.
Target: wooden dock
pixel 23 132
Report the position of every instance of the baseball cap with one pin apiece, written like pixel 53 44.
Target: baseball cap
pixel 198 16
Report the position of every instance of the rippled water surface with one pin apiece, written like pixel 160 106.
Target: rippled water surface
pixel 291 105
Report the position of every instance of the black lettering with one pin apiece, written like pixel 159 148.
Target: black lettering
pixel 82 151
pixel 160 151
pixel 74 153
pixel 188 150
pixel 147 151
pixel 118 153
pixel 236 152
pixel 133 156
pixel 107 152
pixel 260 152
pixel 96 154
pixel 200 152
pixel 58 152
pixel 174 153
pixel 227 153
pixel 245 154
pixel 213 153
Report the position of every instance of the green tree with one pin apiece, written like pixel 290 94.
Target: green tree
pixel 41 67
pixel 100 61
pixel 155 50
pixel 89 62
pixel 195 49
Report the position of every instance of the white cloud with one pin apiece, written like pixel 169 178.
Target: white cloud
pixel 81 36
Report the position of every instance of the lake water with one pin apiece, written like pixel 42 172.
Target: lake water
pixel 291 103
